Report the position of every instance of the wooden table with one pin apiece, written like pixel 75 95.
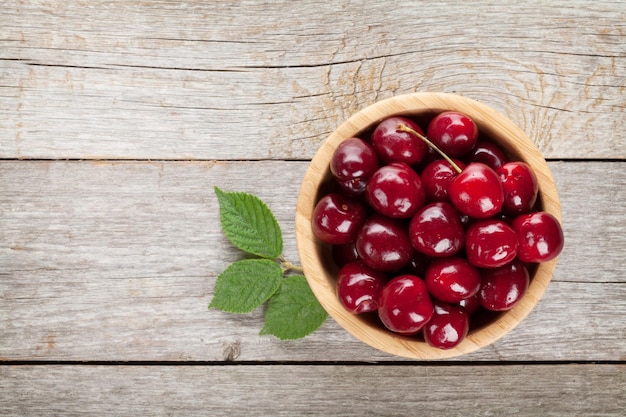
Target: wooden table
pixel 117 119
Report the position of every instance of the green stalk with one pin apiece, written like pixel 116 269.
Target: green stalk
pixel 287 266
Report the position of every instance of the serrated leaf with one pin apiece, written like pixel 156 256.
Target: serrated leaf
pixel 249 224
pixel 245 285
pixel 293 312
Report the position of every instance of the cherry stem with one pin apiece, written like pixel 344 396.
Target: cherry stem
pixel 405 128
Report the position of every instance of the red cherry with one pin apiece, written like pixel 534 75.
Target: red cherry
pixel 392 144
pixel 503 287
pixel 520 187
pixel 540 236
pixel 352 163
pixel 337 219
pixel 353 187
pixel 488 153
pixel 383 243
pixel 395 190
pixel 345 253
pixel 404 305
pixel 477 191
pixel 490 243
pixel 418 264
pixel 436 230
pixel 448 326
pixel 436 177
pixel 453 132
pixel 359 287
pixel 471 304
pixel 353 158
pixel 452 279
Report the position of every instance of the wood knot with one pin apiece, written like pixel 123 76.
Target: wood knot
pixel 232 351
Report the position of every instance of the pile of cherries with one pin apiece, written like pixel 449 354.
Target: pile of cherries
pixel 429 229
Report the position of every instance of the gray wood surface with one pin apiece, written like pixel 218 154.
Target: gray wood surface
pixel 117 119
pixel 288 390
pixel 118 260
pixel 189 80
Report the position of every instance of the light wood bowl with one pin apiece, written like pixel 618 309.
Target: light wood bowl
pixel 316 257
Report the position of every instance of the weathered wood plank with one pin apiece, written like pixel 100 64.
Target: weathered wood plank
pixel 189 80
pixel 287 390
pixel 118 260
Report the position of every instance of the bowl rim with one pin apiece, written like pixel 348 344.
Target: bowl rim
pixel 311 250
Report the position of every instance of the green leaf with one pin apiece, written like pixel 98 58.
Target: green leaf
pixel 249 224
pixel 246 284
pixel 293 312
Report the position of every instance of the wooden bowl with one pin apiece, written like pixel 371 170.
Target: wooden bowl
pixel 316 257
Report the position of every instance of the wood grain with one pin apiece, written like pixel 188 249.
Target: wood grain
pixel 286 390
pixel 118 260
pixel 118 118
pixel 189 80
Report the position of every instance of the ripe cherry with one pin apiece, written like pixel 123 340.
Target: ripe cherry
pixel 345 253
pixel 337 219
pixel 453 132
pixel 488 153
pixel 352 163
pixel 392 144
pixel 383 243
pixel 452 279
pixel 418 264
pixel 358 287
pixel 540 236
pixel 436 230
pixel 395 190
pixel 471 304
pixel 404 305
pixel 436 177
pixel 477 191
pixel 520 187
pixel 448 326
pixel 501 288
pixel 490 243
pixel 354 187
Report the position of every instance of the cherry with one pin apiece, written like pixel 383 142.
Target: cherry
pixel 490 243
pixel 477 191
pixel 392 144
pixel 337 219
pixel 345 253
pixel 418 264
pixel 448 326
pixel 452 279
pixel 503 287
pixel 395 190
pixel 383 243
pixel 352 163
pixel 488 153
pixel 453 132
pixel 354 187
pixel 436 230
pixel 359 287
pixel 436 177
pixel 404 305
pixel 540 236
pixel 520 187
pixel 471 304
